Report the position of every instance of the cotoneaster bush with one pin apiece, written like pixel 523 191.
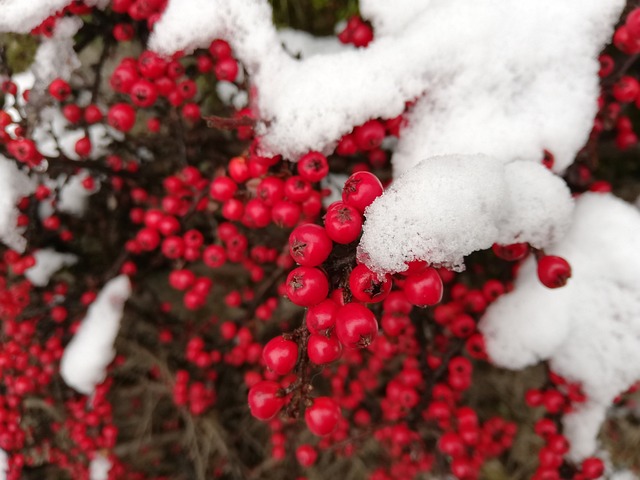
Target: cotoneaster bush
pixel 257 340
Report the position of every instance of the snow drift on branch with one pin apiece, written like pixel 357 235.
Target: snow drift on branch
pixel 14 184
pixel 589 330
pixel 48 262
pixel 99 467
pixel 3 464
pixel 504 79
pixel 86 358
pixel 448 207
pixel 490 77
pixel 22 16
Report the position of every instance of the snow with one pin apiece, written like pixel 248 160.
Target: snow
pixel 74 197
pixel 4 459
pixel 48 262
pixel 23 16
pixel 14 184
pixel 448 207
pixel 99 468
pixel 589 330
pixel 301 44
pixel 86 358
pixel 480 84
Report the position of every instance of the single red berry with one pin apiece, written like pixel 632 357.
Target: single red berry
pixel 361 189
pixel 226 69
pixel 143 93
pixel 553 271
pixel 425 288
pixel 309 245
pixel 323 350
pixel 323 416
pixel 122 116
pixel 286 214
pixel 306 455
pixel 297 189
pixel 366 286
pixel 511 253
pixel 83 147
pixel 222 189
pixel 219 49
pixel 343 223
pixel 369 135
pixel 593 467
pixel 307 286
pixel 322 317
pixel 92 114
pixel 313 167
pixel 264 400
pixel 280 355
pixel 123 32
pixel 626 89
pixel 356 325
pixel 59 89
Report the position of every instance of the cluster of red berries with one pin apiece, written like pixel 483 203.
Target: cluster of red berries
pixel 263 296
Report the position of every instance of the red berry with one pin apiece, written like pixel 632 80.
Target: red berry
pixel 226 69
pixel 356 325
pixel 122 117
pixel 309 245
pixel 343 223
pixel 553 271
pixel 83 147
pixel 361 189
pixel 306 455
pixel 367 287
pixel 59 89
pixel 307 286
pixel 280 355
pixel 323 350
pixel 322 317
pixel 626 89
pixel 92 114
pixel 72 112
pixel 593 467
pixel 322 417
pixel 369 135
pixel 264 401
pixel 511 253
pixel 424 288
pixel 313 167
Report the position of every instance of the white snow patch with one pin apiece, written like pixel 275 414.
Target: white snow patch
pixel 48 262
pixel 304 45
pixel 14 184
pixel 86 358
pixel 448 207
pixel 99 467
pixel 23 16
pixel 74 196
pixel 589 329
pixel 478 91
pixel 4 464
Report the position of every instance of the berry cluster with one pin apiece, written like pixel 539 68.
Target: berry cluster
pixel 249 289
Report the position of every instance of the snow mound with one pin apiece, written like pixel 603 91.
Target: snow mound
pixel 589 330
pixel 450 206
pixel 481 83
pixel 23 16
pixel 99 467
pixel 86 358
pixel 48 262
pixel 14 184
